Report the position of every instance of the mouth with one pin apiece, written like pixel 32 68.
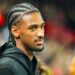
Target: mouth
pixel 39 42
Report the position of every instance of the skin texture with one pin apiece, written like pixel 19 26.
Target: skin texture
pixel 29 33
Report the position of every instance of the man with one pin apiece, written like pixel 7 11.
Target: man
pixel 26 29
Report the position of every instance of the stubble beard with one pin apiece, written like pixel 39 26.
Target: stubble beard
pixel 35 49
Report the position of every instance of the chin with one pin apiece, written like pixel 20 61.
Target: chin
pixel 36 49
pixel 39 49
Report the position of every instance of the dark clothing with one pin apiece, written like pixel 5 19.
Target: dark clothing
pixel 14 62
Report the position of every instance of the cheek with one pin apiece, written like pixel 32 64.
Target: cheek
pixel 28 37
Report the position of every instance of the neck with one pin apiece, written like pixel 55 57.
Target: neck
pixel 20 45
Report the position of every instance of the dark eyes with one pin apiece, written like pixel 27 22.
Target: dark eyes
pixel 34 27
pixel 42 26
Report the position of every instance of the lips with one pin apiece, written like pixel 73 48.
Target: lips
pixel 40 42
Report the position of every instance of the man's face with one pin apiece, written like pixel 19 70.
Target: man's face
pixel 32 31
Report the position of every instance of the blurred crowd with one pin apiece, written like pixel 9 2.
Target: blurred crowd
pixel 58 57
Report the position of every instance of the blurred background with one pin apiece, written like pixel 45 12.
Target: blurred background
pixel 59 16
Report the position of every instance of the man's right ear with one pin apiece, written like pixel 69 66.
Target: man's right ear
pixel 15 31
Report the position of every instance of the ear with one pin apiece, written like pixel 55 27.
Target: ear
pixel 15 31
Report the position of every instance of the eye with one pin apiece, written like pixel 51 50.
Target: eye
pixel 42 26
pixel 33 27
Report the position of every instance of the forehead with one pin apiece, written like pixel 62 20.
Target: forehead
pixel 32 18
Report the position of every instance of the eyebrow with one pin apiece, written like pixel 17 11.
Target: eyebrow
pixel 35 25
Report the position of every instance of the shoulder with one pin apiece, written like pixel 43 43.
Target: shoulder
pixel 6 60
pixel 10 64
pixel 7 66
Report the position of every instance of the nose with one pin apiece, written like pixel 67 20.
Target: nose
pixel 40 33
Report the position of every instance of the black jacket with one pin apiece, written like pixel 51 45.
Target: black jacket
pixel 14 62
